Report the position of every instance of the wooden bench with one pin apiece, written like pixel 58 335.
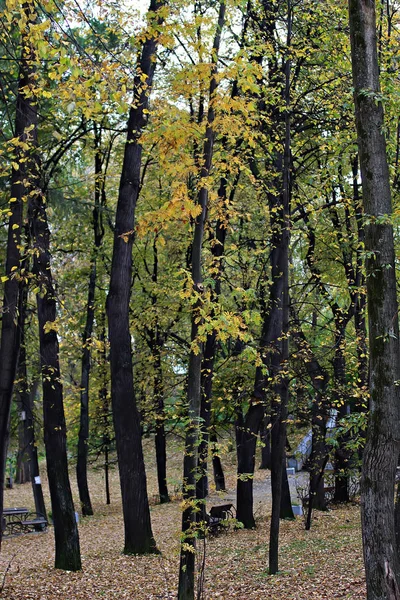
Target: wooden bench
pixel 218 519
pixel 34 522
pixel 19 520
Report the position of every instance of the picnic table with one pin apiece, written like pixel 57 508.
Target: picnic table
pixel 20 520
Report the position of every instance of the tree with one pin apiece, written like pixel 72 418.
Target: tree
pixel 190 461
pixel 27 187
pixel 26 395
pixel 67 555
pixel 25 121
pixel 138 534
pixel 10 338
pixel 382 448
pixel 98 233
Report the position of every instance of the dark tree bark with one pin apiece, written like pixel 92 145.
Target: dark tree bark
pixel 160 438
pixel 26 400
pixel 55 435
pixel 81 465
pixel 25 117
pixel 23 397
pixel 286 510
pixel 397 517
pixel 319 452
pixel 315 486
pixel 246 440
pixel 138 533
pixel 219 477
pixel 187 557
pixel 342 455
pixel 207 372
pixel 279 302
pixel 36 482
pixel 98 232
pixel 22 470
pixel 105 405
pixel 274 338
pixel 382 447
pixel 156 339
pixel 274 354
pixel 67 551
pixel 210 348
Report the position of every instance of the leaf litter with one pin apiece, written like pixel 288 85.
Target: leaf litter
pixel 322 564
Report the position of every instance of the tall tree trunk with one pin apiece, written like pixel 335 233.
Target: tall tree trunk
pixel 36 481
pixel 210 348
pixel 187 557
pixel 155 341
pixel 22 470
pixel 319 453
pixel 342 454
pixel 382 447
pixel 138 533
pixel 280 300
pixel 27 397
pixel 25 118
pixel 83 437
pixel 246 440
pixel 105 405
pixel 219 477
pixel 67 551
pixel 98 232
pixel 274 339
pixel 207 371
pixel 55 434
pixel 160 438
pixel 23 397
pixel 315 490
pixel 286 509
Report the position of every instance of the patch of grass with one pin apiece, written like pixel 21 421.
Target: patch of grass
pixel 259 547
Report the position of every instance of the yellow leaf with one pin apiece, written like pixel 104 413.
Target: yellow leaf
pixel 50 326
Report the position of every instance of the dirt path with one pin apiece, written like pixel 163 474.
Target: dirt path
pixel 262 494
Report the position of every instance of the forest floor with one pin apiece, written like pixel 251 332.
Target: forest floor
pixel 322 564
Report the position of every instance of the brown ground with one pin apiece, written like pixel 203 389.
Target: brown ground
pixel 323 564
